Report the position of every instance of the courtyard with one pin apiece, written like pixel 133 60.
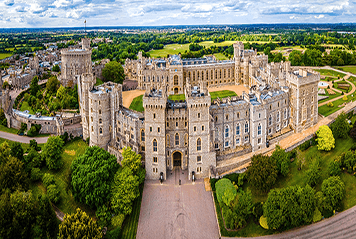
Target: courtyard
pixel 171 210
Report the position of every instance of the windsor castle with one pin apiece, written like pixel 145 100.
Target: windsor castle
pixel 197 132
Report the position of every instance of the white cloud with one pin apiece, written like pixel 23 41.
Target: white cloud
pixel 320 16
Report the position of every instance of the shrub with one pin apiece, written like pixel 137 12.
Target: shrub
pixel 114 234
pixel 225 191
pixel 35 174
pixel 263 222
pixel 304 146
pixel 48 179
pixel 317 215
pixel 104 216
pixel 344 98
pixel 53 193
pixel 117 220
pixel 233 177
pixel 349 161
pixel 241 179
pixel 330 104
pixel 334 167
pixel 313 174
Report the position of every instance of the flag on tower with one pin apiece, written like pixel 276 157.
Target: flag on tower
pixel 85 21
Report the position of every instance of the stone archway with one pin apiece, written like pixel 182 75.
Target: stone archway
pixel 176 90
pixel 177 159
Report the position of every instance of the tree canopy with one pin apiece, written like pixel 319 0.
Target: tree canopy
pixel 262 172
pixel 92 176
pixel 340 127
pixel 325 138
pixel 13 175
pixel 113 71
pixel 52 152
pixel 333 190
pixel 52 85
pixel 79 225
pixel 282 160
pixel 225 191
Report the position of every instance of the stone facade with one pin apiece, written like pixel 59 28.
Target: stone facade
pixel 196 132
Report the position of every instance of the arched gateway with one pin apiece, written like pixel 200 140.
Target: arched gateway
pixel 177 159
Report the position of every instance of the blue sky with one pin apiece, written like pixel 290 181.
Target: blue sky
pixel 72 13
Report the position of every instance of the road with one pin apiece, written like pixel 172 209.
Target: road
pixel 339 226
pixel 22 139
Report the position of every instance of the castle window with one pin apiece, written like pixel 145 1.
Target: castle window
pixel 195 128
pixel 175 80
pixel 246 113
pixel 202 128
pixel 269 130
pixel 285 101
pixel 167 140
pixel 303 92
pixel 303 102
pixel 99 112
pixel 154 145
pixel 285 113
pixel 246 138
pixel 92 129
pixel 270 107
pixel 155 160
pixel 259 141
pixel 176 139
pixel 154 115
pixel 185 123
pixel 142 135
pixel 100 130
pixel 198 169
pixel 238 129
pixel 227 117
pixel 150 129
pixel 143 148
pixel 185 139
pixel 216 145
pixel 176 124
pixel 100 121
pixel 198 159
pixel 237 141
pixel 277 116
pixel 198 115
pixel 278 127
pixel 158 129
pixel 168 154
pixel 198 144
pixel 278 104
pixel 270 120
pixel 167 124
pixel 226 131
pixel 259 129
pixel 99 102
pixel 246 127
pixel 91 119
pixel 259 115
pixel 312 99
pixel 216 119
pixel 312 110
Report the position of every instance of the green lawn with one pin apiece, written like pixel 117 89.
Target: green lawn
pixel 62 178
pixel 170 49
pixel 130 224
pixel 329 78
pixel 4 55
pixel 26 106
pixel 8 130
pixel 177 97
pixel 351 69
pixel 221 94
pixel 326 110
pixel 330 73
pixel 330 96
pixel 137 104
pixel 336 85
pixel 221 56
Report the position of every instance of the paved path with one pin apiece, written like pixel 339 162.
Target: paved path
pixel 339 226
pixel 173 211
pixel 22 139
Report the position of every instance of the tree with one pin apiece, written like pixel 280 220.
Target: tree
pixel 243 209
pixel 334 167
pixel 340 127
pixel 46 218
pixel 13 175
pixel 132 160
pixel 333 190
pixel 225 191
pixel 52 152
pixel 282 160
pixel 353 132
pixel 79 225
pixel 34 87
pixel 52 85
pixel 125 190
pixel 53 193
pixel 313 174
pixel 92 175
pixel 325 138
pixel 262 173
pixel 17 151
pixel 289 207
pixel 113 71
pixel 56 68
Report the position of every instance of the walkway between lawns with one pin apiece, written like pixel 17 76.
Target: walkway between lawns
pixel 22 139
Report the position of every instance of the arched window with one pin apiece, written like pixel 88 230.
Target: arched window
pixel 246 127
pixel 100 130
pixel 176 139
pixel 238 115
pixel 226 131
pixel 278 116
pixel 270 120
pixel 154 145
pixel 285 113
pixel 259 129
pixel 176 80
pixel 143 135
pixel 99 112
pixel 238 129
pixel 198 144
pixel 100 121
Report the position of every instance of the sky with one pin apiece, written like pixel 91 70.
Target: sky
pixel 72 13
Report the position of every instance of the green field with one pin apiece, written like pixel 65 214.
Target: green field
pixel 298 177
pixel 137 104
pixel 326 110
pixel 4 55
pixel 221 94
pixel 220 56
pixel 330 73
pixel 351 69
pixel 176 97
pixel 8 130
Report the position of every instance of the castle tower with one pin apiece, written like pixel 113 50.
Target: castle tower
pixel 238 56
pixel 201 157
pixel 154 103
pixel 85 43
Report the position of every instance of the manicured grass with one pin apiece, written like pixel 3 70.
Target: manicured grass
pixel 137 104
pixel 330 73
pixel 326 110
pixel 337 94
pixel 177 97
pixel 329 78
pixel 130 224
pixel 8 130
pixel 62 178
pixel 336 86
pixel 4 55
pixel 221 56
pixel 170 49
pixel 26 106
pixel 221 94
pixel 351 69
